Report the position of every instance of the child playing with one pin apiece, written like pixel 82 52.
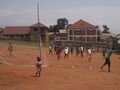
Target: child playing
pixel 89 52
pixel 77 51
pixel 50 49
pixel 58 51
pixel 107 59
pixel 81 51
pixel 10 49
pixel 66 52
pixel 38 66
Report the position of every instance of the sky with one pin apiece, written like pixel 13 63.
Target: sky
pixel 96 12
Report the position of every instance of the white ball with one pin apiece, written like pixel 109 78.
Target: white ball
pixel 90 68
pixel 73 66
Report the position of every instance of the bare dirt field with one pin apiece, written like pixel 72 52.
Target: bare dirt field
pixel 73 73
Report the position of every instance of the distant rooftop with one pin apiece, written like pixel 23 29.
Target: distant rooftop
pixel 81 24
pixel 39 25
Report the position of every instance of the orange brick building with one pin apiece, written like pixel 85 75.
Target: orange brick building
pixel 83 31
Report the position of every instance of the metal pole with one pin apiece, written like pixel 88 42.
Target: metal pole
pixel 39 29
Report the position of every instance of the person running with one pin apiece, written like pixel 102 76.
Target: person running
pixel 39 67
pixel 10 49
pixel 89 53
pixel 81 51
pixel 107 60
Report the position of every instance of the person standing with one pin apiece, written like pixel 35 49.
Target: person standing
pixel 66 52
pixel 39 67
pixel 77 51
pixel 58 52
pixel 50 49
pixel 10 49
pixel 89 52
pixel 71 49
pixel 82 50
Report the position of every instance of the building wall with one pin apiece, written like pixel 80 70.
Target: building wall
pixel 25 37
pixel 35 34
pixel 82 35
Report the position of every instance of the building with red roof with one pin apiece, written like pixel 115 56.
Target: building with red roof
pixel 31 33
pixel 83 31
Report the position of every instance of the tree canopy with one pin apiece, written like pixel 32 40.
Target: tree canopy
pixel 62 23
pixel 106 29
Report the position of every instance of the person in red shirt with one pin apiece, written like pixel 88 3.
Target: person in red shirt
pixel 58 51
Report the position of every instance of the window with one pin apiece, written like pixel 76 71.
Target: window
pixel 35 29
pixel 91 32
pixel 70 38
pixel 91 39
pixel 71 32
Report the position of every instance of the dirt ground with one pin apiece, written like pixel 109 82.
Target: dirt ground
pixel 73 73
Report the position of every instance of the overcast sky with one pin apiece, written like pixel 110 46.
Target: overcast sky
pixel 96 12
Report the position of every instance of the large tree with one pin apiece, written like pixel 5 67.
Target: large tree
pixel 105 29
pixel 62 23
pixel 53 28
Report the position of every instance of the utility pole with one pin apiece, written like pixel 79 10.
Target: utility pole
pixel 39 29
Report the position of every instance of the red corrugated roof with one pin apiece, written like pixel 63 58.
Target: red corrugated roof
pixel 81 24
pixel 17 30
pixel 22 29
pixel 39 25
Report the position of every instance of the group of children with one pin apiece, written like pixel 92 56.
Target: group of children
pixel 67 50
pixel 80 51
pixel 58 50
pixel 38 63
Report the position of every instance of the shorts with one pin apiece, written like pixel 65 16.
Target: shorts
pixel 107 61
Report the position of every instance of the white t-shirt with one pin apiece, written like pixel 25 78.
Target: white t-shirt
pixel 81 48
pixel 66 51
pixel 89 51
pixel 50 48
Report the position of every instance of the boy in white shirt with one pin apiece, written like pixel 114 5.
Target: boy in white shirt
pixel 89 52
pixel 66 52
